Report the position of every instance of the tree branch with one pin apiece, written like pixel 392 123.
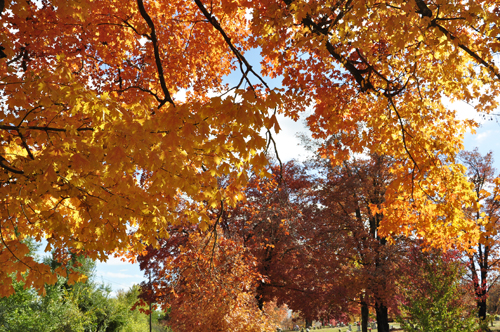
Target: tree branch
pixel 159 66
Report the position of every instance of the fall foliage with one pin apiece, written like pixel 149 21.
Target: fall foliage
pixel 352 197
pixel 306 236
pixel 100 153
pixel 484 261
pixel 207 283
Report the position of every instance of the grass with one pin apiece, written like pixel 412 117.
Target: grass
pixel 346 329
pixel 496 327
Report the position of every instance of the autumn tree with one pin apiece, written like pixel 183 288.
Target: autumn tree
pixel 493 299
pixel 269 230
pixel 271 224
pixel 206 281
pixel 434 295
pixel 484 261
pixel 379 88
pixel 275 223
pixel 100 150
pixel 277 314
pixel 95 141
pixel 348 223
pixel 314 233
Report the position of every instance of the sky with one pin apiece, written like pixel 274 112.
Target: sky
pixel 122 275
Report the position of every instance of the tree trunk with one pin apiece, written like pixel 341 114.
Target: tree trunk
pixel 382 317
pixel 481 301
pixel 364 316
pixel 481 307
pixel 259 297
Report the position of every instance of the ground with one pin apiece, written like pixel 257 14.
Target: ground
pixel 354 329
pixel 496 327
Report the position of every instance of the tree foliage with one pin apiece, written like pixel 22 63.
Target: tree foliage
pixel 484 262
pixel 205 282
pixel 306 236
pixel 82 306
pixel 100 152
pixel 436 299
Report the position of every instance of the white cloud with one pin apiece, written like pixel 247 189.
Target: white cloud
pixel 180 95
pixel 482 136
pixel 119 287
pixel 287 143
pixel 121 275
pixel 463 110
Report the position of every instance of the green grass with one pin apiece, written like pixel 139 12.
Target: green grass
pixel 496 327
pixel 354 328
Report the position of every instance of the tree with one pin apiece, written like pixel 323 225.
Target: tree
pixel 493 299
pixel 484 260
pixel 271 223
pixel 90 108
pixel 347 225
pixel 435 298
pixel 81 306
pixel 277 314
pixel 313 231
pixel 206 281
pixel 92 102
pixel 135 320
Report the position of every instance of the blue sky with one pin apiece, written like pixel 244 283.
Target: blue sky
pixel 486 139
pixel 122 275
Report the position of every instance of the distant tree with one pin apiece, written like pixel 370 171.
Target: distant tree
pixel 277 314
pixel 354 197
pixel 272 225
pixel 484 258
pixel 57 310
pixel 314 232
pixel 493 300
pixel 135 320
pixel 65 306
pixel 435 299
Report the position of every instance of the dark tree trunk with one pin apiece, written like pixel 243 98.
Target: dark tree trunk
pixel 364 316
pixel 481 307
pixel 480 283
pixel 309 323
pixel 259 297
pixel 382 317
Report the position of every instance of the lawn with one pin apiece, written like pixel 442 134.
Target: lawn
pixel 354 328
pixel 496 327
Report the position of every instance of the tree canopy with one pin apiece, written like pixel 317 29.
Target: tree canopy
pixel 100 153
